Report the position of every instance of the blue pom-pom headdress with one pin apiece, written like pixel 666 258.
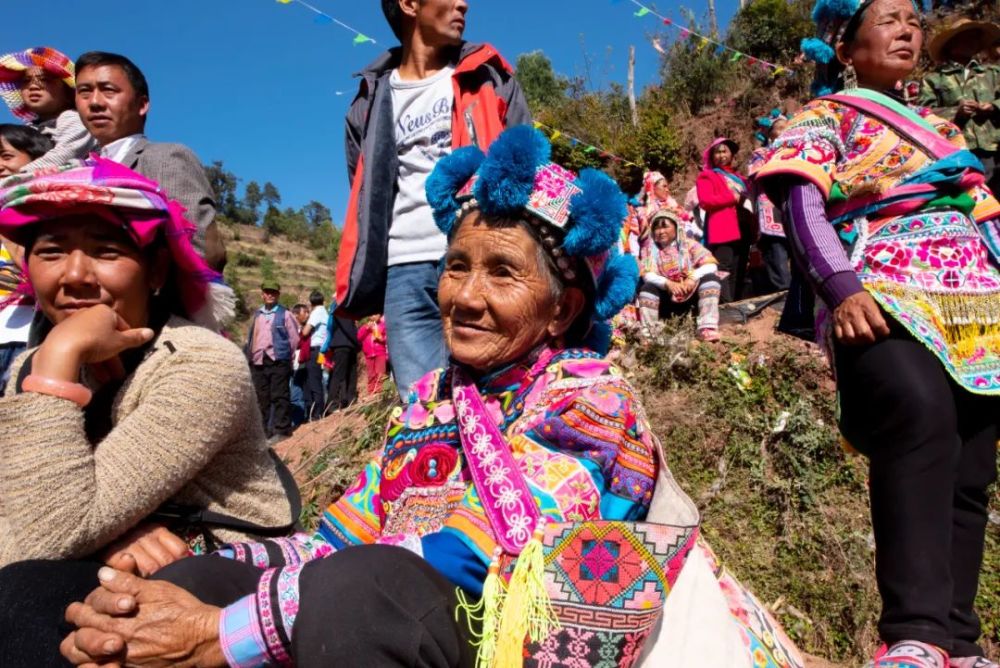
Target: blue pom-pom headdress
pixel 576 218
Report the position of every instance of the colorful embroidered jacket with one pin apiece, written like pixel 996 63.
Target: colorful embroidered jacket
pixel 684 258
pixel 920 231
pixel 575 429
pixel 851 157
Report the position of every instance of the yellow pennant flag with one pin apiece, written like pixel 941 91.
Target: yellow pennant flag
pixel 555 135
pixel 538 126
pixel 285 2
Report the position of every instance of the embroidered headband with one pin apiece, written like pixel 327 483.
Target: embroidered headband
pixel 577 218
pixel 104 188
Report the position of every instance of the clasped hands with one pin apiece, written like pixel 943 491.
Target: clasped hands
pixel 970 108
pixel 129 621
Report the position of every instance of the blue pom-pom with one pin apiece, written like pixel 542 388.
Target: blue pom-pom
pixel 507 176
pixel 451 173
pixel 598 338
pixel 817 50
pixel 617 286
pixel 597 214
pixel 831 10
pixel 819 89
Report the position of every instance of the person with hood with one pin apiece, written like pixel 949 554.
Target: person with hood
pixel 724 196
pixel 416 103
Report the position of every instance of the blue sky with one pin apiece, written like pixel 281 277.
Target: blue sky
pixel 254 83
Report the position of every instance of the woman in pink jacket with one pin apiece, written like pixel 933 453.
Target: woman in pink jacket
pixel 723 195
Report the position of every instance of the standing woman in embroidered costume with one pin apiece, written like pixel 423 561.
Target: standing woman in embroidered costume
pixel 887 212
pixel 771 234
pixel 510 478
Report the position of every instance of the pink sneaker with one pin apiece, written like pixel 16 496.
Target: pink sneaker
pixel 973 662
pixel 910 654
pixel 709 335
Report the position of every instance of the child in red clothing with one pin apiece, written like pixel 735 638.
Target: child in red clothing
pixel 372 338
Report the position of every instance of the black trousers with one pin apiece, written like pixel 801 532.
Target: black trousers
pixel 270 381
pixel 370 606
pixel 776 261
pixel 931 447
pixel 34 596
pixel 733 258
pixel 312 392
pixel 342 390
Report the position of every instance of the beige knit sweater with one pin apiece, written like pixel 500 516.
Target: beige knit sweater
pixel 186 428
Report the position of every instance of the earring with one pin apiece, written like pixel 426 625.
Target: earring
pixel 850 78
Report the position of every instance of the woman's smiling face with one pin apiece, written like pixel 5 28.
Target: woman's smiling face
pixel 496 295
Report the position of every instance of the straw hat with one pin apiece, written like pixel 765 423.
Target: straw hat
pixel 989 33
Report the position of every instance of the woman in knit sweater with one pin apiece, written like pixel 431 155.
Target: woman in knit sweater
pixel 128 413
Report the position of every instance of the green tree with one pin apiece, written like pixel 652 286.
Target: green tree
pixel 772 29
pixel 224 184
pixel 271 196
pixel 316 213
pixel 268 270
pixel 541 86
pixel 252 199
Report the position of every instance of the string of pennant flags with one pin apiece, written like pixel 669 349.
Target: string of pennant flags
pixel 575 142
pixel 322 18
pixel 702 41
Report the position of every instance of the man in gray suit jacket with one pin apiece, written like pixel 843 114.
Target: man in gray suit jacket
pixel 112 97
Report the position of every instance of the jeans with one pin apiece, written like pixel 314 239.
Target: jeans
pixel 298 396
pixel 931 448
pixel 413 323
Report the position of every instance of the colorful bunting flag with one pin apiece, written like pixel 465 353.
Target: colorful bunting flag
pixel 322 18
pixel 576 142
pixel 701 41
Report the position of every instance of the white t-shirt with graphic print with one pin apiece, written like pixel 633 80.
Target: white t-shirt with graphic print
pixel 422 113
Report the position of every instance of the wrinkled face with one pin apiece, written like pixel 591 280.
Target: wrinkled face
pixel 76 263
pixel 439 22
pixel 664 233
pixel 776 129
pixel 722 155
pixel 661 189
pixel 11 159
pixel 108 105
pixel 887 44
pixel 44 93
pixel 496 295
pixel 269 297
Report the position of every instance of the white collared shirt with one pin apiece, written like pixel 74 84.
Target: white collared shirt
pixel 119 148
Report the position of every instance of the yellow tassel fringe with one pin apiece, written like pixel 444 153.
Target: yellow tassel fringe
pixel 508 617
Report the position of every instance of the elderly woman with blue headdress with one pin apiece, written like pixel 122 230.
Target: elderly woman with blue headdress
pixel 521 511
pixel 887 212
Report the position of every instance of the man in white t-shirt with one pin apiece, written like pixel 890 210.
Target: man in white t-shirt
pixel 416 104
pixel 317 331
